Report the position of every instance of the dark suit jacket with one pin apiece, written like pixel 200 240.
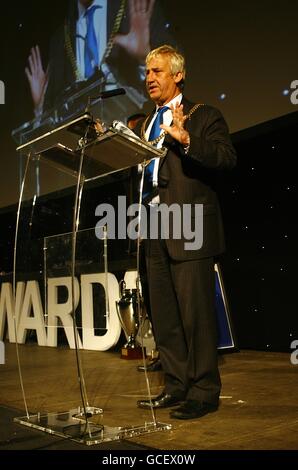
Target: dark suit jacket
pixel 190 178
pixel 124 67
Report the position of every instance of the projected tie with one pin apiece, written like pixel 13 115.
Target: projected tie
pixel 154 133
pixel 91 46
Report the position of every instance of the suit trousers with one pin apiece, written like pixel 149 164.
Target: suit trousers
pixel 182 296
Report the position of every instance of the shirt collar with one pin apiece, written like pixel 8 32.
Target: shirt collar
pixel 173 102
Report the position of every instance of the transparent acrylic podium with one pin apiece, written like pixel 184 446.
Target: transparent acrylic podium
pixel 65 159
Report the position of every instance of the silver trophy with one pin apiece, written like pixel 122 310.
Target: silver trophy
pixel 129 313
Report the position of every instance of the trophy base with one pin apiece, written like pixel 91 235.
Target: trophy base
pixel 131 353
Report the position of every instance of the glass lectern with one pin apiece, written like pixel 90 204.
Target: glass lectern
pixel 66 158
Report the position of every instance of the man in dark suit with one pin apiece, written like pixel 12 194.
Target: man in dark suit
pixel 181 276
pixel 121 34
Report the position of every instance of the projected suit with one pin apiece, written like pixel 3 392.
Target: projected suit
pixel 124 63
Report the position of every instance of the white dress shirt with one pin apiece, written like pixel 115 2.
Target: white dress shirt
pixel 167 120
pixel 100 26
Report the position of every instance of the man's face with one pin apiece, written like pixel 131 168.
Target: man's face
pixel 160 82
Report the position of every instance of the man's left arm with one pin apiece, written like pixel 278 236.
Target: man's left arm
pixel 209 143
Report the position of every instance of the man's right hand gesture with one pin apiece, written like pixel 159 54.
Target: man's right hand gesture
pixel 137 41
pixel 37 78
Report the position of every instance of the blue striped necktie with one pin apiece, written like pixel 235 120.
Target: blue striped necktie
pixel 91 46
pixel 154 133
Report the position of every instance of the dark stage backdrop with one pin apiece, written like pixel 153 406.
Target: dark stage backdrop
pixel 241 57
pixel 258 200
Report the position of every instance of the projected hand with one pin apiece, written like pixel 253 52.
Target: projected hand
pixel 137 41
pixel 37 77
pixel 176 130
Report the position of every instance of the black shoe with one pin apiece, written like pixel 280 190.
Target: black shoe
pixel 192 409
pixel 163 400
pixel 153 366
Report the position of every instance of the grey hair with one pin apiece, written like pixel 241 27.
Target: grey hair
pixel 177 61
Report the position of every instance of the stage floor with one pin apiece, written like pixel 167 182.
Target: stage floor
pixel 258 407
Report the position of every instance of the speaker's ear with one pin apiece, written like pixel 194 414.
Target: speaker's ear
pixel 178 77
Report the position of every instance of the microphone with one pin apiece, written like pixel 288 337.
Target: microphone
pixel 120 127
pixel 108 94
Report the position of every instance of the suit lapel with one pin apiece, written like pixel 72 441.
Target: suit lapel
pixel 149 119
pixel 187 105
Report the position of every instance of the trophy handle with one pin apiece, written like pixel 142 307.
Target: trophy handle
pixel 122 286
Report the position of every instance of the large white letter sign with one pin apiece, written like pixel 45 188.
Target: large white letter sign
pixel 61 310
pixel 110 338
